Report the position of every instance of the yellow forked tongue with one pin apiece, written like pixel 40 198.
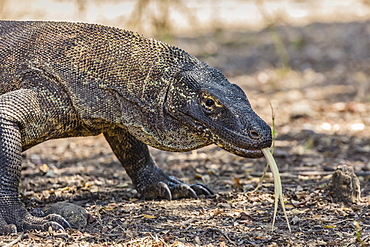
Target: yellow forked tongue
pixel 277 184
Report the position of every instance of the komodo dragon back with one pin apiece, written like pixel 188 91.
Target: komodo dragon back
pixel 61 79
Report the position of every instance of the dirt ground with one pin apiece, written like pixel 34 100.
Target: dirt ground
pixel 315 77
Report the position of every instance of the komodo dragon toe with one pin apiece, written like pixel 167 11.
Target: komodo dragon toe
pixel 169 187
pixel 15 218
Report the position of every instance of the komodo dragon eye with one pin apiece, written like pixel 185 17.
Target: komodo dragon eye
pixel 210 104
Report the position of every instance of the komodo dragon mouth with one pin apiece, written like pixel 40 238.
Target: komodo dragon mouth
pixel 232 141
pixel 240 144
pixel 249 153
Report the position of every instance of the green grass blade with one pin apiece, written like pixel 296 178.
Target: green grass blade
pixel 277 185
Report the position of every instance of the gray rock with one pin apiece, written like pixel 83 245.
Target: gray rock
pixel 74 214
pixel 344 185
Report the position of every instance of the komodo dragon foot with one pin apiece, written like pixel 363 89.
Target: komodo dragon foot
pixel 154 183
pixel 149 180
pixel 15 218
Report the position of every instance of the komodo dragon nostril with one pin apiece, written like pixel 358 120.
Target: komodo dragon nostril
pixel 254 134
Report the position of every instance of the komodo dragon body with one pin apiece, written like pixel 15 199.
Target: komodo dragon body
pixel 60 79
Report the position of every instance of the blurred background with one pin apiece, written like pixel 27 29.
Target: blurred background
pixel 180 17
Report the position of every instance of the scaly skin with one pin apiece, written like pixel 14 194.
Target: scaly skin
pixel 61 79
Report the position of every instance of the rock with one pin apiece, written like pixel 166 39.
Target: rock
pixel 74 214
pixel 344 186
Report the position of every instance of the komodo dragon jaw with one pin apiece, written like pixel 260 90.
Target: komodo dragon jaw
pixel 220 111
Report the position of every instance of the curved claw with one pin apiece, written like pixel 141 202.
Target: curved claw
pixel 154 183
pixel 56 222
pixel 174 189
pixel 42 226
pixel 201 189
pixel 183 190
pixel 58 219
pixel 15 218
pixel 55 226
pixel 156 190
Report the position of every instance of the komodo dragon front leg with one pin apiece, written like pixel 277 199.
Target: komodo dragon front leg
pixel 148 179
pixel 17 108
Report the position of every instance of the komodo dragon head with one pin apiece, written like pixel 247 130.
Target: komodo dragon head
pixel 188 104
pixel 215 111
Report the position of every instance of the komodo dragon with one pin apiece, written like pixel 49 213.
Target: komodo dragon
pixel 60 79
